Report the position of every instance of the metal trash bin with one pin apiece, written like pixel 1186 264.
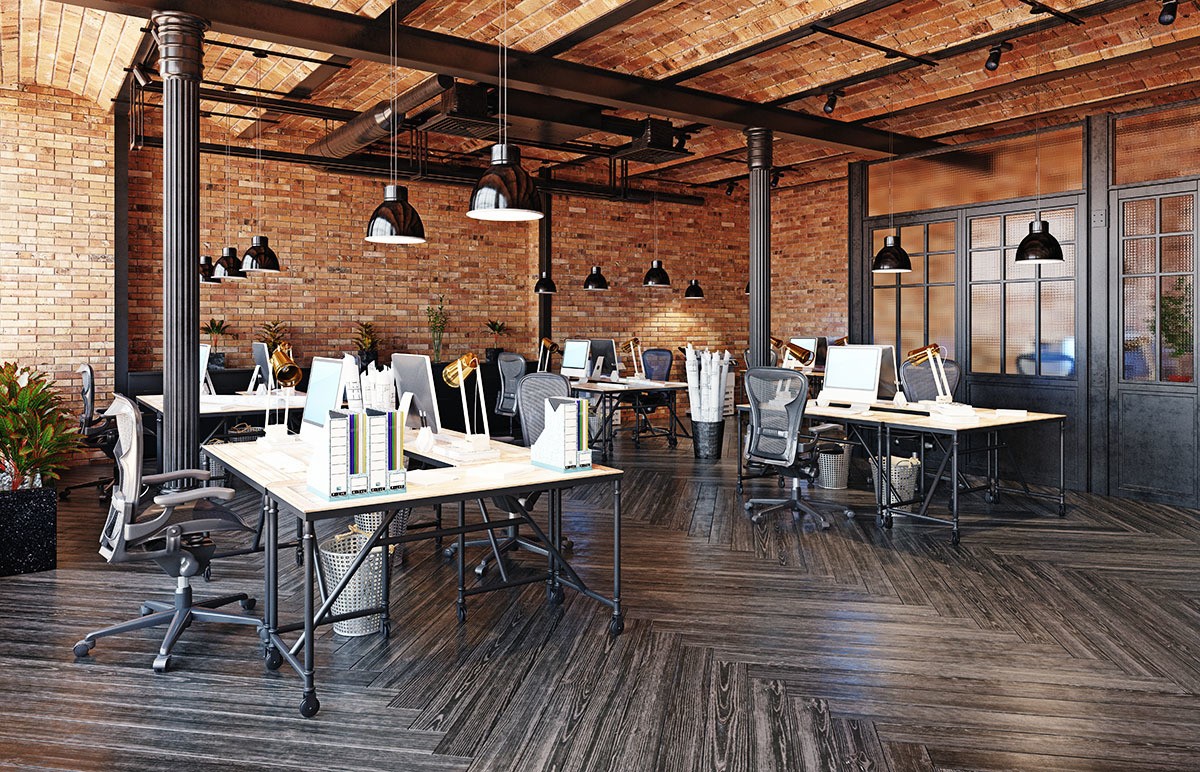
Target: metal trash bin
pixel 707 438
pixel 833 465
pixel 905 473
pixel 366 523
pixel 365 588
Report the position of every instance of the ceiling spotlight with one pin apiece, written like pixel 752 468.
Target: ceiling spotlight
pixel 775 175
pixel 994 53
pixel 142 75
pixel 1169 10
pixel 831 99
pixel 732 186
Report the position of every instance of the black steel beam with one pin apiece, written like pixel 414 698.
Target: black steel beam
pixel 303 90
pixel 284 106
pixel 334 32
pixel 601 24
pixel 890 53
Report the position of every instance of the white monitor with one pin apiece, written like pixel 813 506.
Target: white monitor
pixel 414 376
pixel 205 381
pixel 610 366
pixel 262 359
pixel 575 356
pixel 325 384
pixel 852 374
pixel 817 345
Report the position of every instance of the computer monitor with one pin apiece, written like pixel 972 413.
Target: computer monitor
pixel 262 358
pixel 852 374
pixel 325 385
pixel 414 375
pixel 575 358
pixel 888 367
pixel 205 381
pixel 607 348
pixel 818 345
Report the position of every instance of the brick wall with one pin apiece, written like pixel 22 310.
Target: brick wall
pixel 809 292
pixel 56 225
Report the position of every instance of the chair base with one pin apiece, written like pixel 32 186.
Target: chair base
pixel 178 616
pixel 103 488
pixel 798 506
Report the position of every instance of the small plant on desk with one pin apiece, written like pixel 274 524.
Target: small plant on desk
pixel 496 328
pixel 437 317
pixel 273 334
pixel 216 329
pixel 366 340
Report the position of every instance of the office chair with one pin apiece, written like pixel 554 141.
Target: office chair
pixel 917 379
pixel 656 363
pixel 99 432
pixel 182 549
pixel 512 367
pixel 777 399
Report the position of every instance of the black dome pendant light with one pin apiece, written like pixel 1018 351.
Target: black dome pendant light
pixel 656 275
pixel 545 285
pixel 259 257
pixel 1040 246
pixel 505 192
pixel 595 280
pixel 228 266
pixel 892 258
pixel 693 291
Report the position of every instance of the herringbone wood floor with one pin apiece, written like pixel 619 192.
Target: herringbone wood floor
pixel 1036 644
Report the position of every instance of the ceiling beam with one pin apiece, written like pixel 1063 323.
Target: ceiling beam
pixel 302 90
pixel 283 106
pixel 356 37
pixel 601 24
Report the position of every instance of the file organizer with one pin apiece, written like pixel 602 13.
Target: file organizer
pixel 362 453
pixel 563 444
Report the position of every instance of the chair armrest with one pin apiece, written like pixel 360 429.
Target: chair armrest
pixel 815 431
pixel 181 474
pixel 194 494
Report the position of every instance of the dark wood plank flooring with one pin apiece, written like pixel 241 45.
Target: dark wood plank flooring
pixel 1039 643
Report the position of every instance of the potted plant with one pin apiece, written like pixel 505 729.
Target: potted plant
pixel 367 342
pixel 37 437
pixel 215 329
pixel 437 318
pixel 273 334
pixel 497 328
pixel 1175 313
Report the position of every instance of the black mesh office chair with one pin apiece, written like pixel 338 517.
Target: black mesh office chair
pixel 182 549
pixel 99 432
pixel 656 362
pixel 777 399
pixel 772 356
pixel 917 379
pixel 512 367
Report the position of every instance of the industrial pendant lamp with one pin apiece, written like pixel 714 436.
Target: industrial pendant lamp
pixel 395 221
pixel 505 192
pixel 656 276
pixel 1039 246
pixel 892 258
pixel 545 285
pixel 206 271
pixel 259 257
pixel 228 266
pixel 693 291
pixel 595 280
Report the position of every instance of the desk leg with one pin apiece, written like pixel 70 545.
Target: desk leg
pixel 554 590
pixel 1062 468
pixel 881 488
pixel 437 518
pixel 271 655
pixel 741 450
pixel 158 443
pixel 309 705
pixel 617 624
pixel 954 487
pixel 673 423
pixel 462 548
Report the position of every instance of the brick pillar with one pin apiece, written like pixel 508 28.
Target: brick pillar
pixel 180 38
pixel 758 157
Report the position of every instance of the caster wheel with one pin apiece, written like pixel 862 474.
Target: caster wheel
pixel 673 444
pixel 248 604
pixel 739 488
pixel 162 663
pixel 989 497
pixel 616 625
pixel 385 629
pixel 849 513
pixel 889 522
pixel 748 507
pixel 462 613
pixel 146 611
pixel 66 495
pixel 1062 510
pixel 83 647
pixel 555 595
pixel 880 521
pixel 309 705
pixel 208 574
pixel 273 659
pixel 299 556
pixel 954 537
pixel 448 552
pixel 756 519
pixel 566 545
pixel 481 570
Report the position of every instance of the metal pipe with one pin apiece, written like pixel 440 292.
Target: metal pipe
pixel 378 122
pixel 759 144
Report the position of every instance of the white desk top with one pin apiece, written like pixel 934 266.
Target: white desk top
pixel 621 388
pixel 985 418
pixel 230 404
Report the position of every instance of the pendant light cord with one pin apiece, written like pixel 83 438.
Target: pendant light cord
pixel 502 76
pixel 891 171
pixel 393 34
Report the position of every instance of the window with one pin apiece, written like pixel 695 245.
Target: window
pixel 1022 317
pixel 912 309
pixel 1157 259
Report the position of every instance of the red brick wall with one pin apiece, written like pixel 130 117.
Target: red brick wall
pixel 56 226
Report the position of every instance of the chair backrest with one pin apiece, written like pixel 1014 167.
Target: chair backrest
pixel 656 362
pixel 772 356
pixel 532 392
pixel 128 456
pixel 512 367
pixel 88 391
pixel 917 379
pixel 777 399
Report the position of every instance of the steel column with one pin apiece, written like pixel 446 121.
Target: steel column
pixel 759 144
pixel 546 264
pixel 180 38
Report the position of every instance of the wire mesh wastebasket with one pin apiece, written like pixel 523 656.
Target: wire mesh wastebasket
pixel 365 588
pixel 833 465
pixel 905 473
pixel 366 523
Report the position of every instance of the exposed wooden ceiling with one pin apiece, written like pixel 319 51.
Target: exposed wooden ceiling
pixel 914 67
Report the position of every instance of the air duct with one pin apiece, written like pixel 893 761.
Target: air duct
pixel 378 122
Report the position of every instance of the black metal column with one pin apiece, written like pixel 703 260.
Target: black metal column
pixel 180 38
pixel 758 155
pixel 120 245
pixel 857 275
pixel 545 265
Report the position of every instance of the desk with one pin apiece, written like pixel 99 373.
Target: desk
pixel 608 396
pixel 222 407
pixel 274 472
pixel 886 418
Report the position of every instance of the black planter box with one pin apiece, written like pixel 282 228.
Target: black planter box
pixel 28 531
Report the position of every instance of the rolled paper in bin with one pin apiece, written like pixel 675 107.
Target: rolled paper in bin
pixel 707 438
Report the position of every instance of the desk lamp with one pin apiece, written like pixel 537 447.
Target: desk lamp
pixel 932 353
pixel 797 357
pixel 633 347
pixel 546 348
pixel 455 376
